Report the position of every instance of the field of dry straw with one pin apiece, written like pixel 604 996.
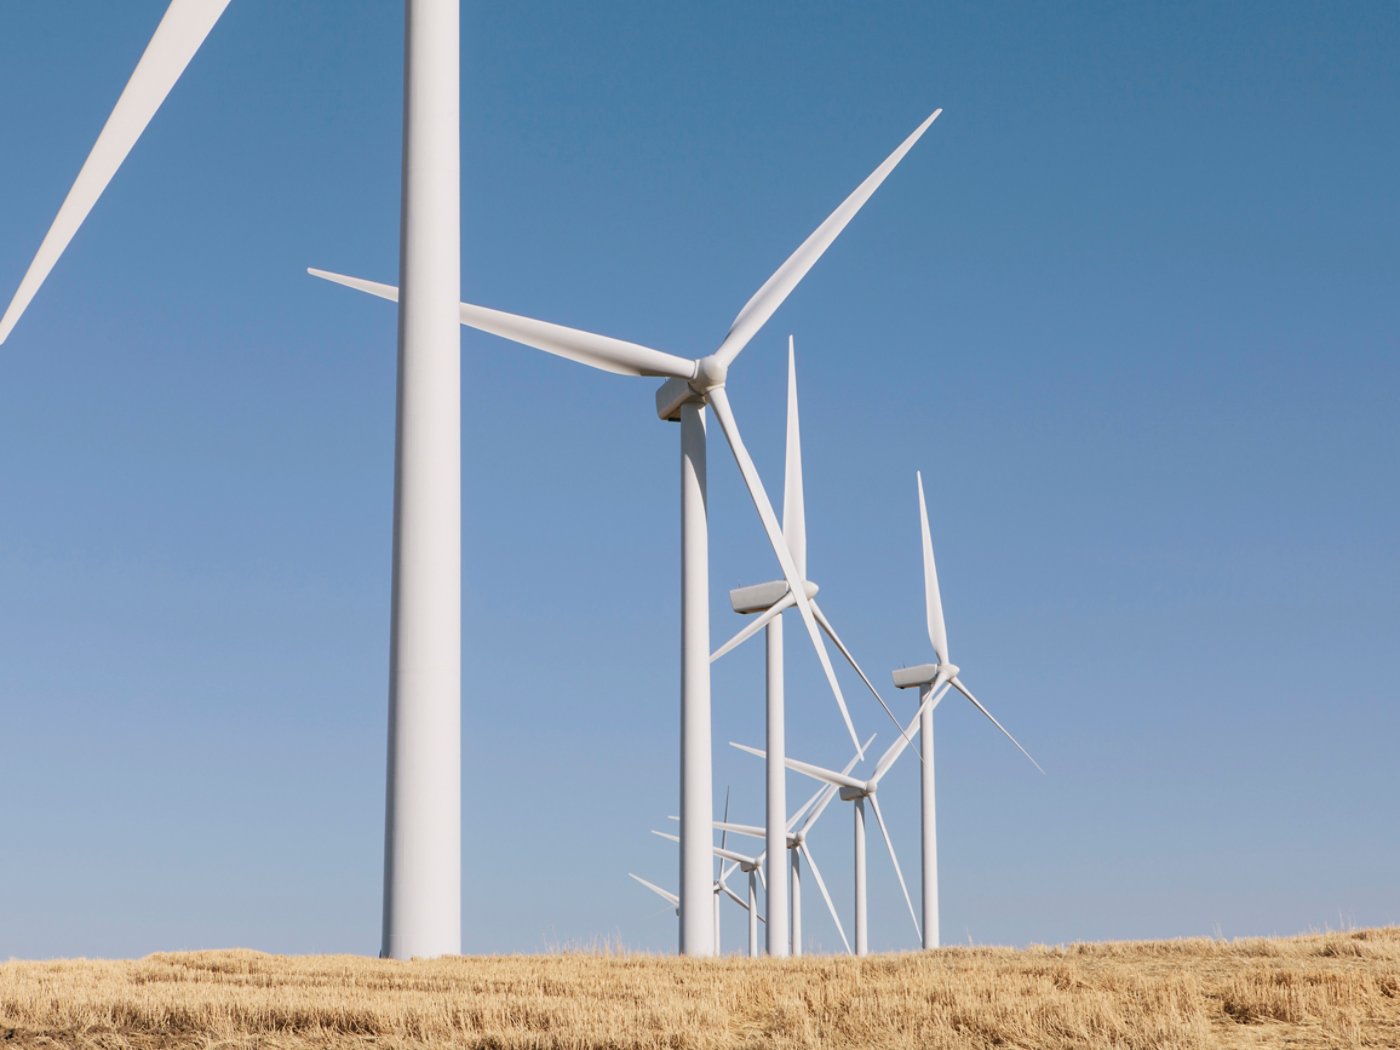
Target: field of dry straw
pixel 1327 990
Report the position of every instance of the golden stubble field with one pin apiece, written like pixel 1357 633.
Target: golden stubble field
pixel 1325 990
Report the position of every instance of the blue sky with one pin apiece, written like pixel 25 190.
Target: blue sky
pixel 1130 305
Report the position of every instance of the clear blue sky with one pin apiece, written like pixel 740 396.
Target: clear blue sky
pixel 1131 305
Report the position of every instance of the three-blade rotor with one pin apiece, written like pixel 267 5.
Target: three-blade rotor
pixel 938 631
pixel 706 375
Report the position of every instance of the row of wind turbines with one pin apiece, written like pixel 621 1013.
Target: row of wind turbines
pixel 422 866
pixel 778 866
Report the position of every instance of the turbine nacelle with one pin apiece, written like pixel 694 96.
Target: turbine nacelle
pixel 850 794
pixel 923 674
pixel 761 597
pixel 708 375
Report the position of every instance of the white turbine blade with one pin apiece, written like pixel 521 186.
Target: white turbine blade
pixel 830 792
pixel 752 831
pixel 666 835
pixel 735 856
pixel 182 30
pixel 831 633
pixel 777 288
pixel 933 600
pixel 719 401
pixel 830 776
pixel 724 835
pixel 889 845
pixel 734 897
pixel 667 894
pixel 794 505
pixel 599 351
pixel 978 704
pixel 802 809
pixel 755 625
pixel 897 748
pixel 821 885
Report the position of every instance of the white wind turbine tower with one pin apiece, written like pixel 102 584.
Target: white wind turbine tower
pixel 771 600
pixel 933 681
pixel 422 840
pixel 692 384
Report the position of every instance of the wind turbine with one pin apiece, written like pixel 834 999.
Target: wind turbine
pixel 858 791
pixel 423 821
pixel 932 681
pixel 748 865
pixel 797 848
pixel 771 600
pixel 692 385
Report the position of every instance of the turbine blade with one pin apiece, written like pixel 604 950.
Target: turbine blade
pixel 794 505
pixel 889 845
pixel 182 30
pixel 667 894
pixel 724 835
pixel 719 400
pixel 777 288
pixel 755 625
pixel 831 633
pixel 815 772
pixel 978 704
pixel 752 831
pixel 933 600
pixel 735 897
pixel 802 809
pixel 897 748
pixel 666 835
pixel 733 855
pixel 821 885
pixel 599 351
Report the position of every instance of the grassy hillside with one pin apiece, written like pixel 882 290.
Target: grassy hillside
pixel 1329 990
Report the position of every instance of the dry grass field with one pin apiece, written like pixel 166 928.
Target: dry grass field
pixel 1327 990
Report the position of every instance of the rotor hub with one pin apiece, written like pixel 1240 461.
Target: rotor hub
pixel 710 373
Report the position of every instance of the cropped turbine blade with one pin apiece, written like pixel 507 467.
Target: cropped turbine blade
pixel 182 30
pixel 755 625
pixel 794 505
pixel 906 738
pixel 889 845
pixel 667 894
pixel 666 835
pixel 831 633
pixel 978 704
pixel 933 600
pixel 821 885
pixel 719 401
pixel 777 288
pixel 598 351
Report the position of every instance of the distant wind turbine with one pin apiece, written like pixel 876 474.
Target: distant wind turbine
pixel 859 791
pixel 799 829
pixel 932 681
